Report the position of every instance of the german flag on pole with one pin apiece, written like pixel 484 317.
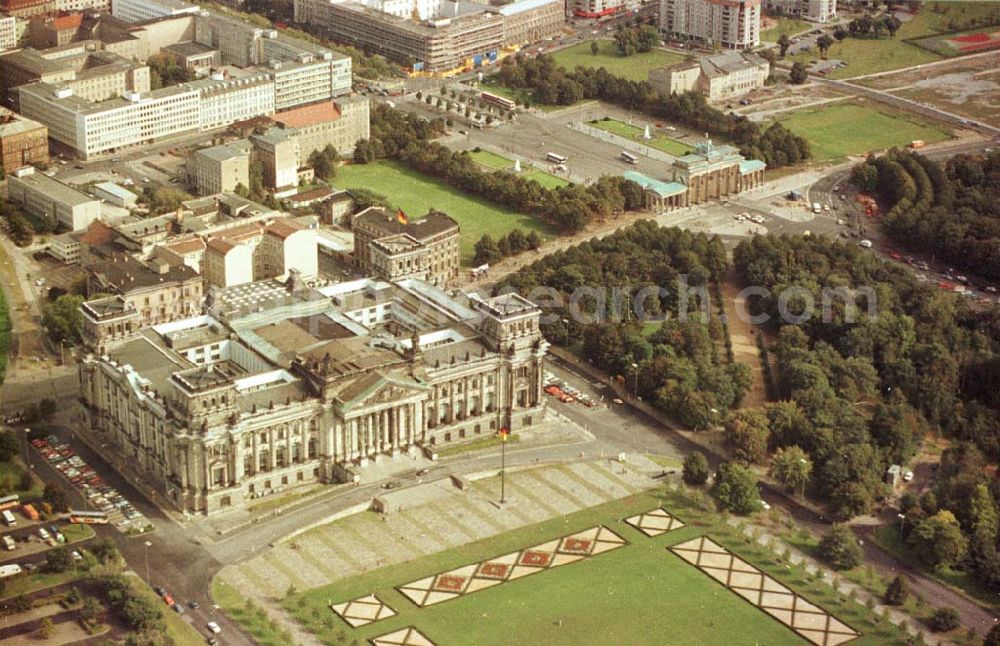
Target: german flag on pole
pixel 503 433
pixel 401 217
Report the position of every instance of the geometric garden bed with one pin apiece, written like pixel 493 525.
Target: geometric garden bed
pixel 810 621
pixel 497 570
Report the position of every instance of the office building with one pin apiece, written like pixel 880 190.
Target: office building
pixel 46 197
pixel 220 169
pixel 26 8
pixel 720 77
pixel 223 101
pixel 65 249
pixel 434 35
pixel 90 6
pixel 278 151
pixel 730 24
pixel 8 33
pixel 22 141
pixel 281 385
pixel 386 246
pixel 339 123
pixel 142 10
pixel 812 10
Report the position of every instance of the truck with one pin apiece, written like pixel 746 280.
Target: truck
pixel 917 143
pixel 816 207
pixel 30 512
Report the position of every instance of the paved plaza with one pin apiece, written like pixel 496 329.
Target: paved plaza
pixel 362 611
pixel 409 636
pixel 808 620
pixel 367 541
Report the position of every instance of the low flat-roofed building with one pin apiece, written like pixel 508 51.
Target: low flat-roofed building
pixel 65 248
pixel 719 77
pixel 220 169
pixel 46 197
pixel 114 194
pixel 22 141
pixel 194 56
pixel 282 385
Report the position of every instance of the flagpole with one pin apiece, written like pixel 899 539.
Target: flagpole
pixel 503 468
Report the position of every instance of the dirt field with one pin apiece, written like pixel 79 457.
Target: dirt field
pixel 969 87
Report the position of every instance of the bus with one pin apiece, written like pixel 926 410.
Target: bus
pixel 88 517
pixel 629 157
pixel 505 103
pixel 9 502
pixel 555 158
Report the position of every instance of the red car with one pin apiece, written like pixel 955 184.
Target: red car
pixel 168 599
pixel 553 390
pixel 895 256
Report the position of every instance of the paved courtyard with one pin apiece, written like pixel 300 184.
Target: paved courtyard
pixel 366 541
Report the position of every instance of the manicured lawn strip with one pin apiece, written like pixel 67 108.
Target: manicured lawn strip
pixel 694 608
pixel 494 161
pixel 74 532
pixel 14 468
pixel 476 445
pixel 867 56
pixel 416 194
pixel 181 631
pixel 31 581
pixel 280 501
pixel 962 582
pixel 790 26
pixel 490 160
pixel 835 131
pixel 635 133
pixel 253 619
pixel 517 94
pixel 634 68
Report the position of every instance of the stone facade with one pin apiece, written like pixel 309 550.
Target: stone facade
pixel 22 141
pixel 327 388
pixel 437 236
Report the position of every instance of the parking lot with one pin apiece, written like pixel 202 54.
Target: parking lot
pixel 99 495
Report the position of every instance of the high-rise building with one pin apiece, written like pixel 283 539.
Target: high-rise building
pixel 8 33
pixel 730 24
pixel 813 10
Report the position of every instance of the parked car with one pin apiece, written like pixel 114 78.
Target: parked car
pixel 214 627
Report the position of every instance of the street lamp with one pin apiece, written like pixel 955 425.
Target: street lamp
pixel 27 451
pixel 565 323
pixel 148 545
pixel 504 432
pixel 635 382
pixel 902 521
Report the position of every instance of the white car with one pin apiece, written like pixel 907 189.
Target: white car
pixel 908 476
pixel 866 244
pixel 214 627
pixel 765 506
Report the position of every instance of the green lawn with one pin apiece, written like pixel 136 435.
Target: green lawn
pixel 13 468
pixel 253 619
pixel 477 445
pixel 867 56
pixel 660 142
pixel 637 594
pixel 180 630
pixel 416 193
pixel 494 161
pixel 635 67
pixel 789 26
pixel 835 131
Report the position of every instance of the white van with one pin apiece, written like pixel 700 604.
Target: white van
pixel 8 543
pixel 8 518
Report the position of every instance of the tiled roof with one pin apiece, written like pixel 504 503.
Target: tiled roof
pixel 308 115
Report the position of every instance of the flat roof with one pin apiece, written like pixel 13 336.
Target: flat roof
pixel 190 48
pixel 663 189
pixel 55 189
pixel 117 191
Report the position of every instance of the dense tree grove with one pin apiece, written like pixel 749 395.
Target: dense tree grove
pixel 555 85
pixel 858 396
pixel 489 250
pixel 873 26
pixel 952 210
pixel 677 367
pixel 404 136
pixel 632 39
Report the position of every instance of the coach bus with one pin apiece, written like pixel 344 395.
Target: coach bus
pixel 555 158
pixel 9 502
pixel 498 100
pixel 629 157
pixel 88 517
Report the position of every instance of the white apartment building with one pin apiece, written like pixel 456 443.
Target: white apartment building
pixel 8 33
pixel 731 24
pixel 224 101
pixel 140 10
pixel 84 5
pixel 812 10
pixel 97 128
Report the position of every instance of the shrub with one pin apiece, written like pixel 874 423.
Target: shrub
pixel 944 619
